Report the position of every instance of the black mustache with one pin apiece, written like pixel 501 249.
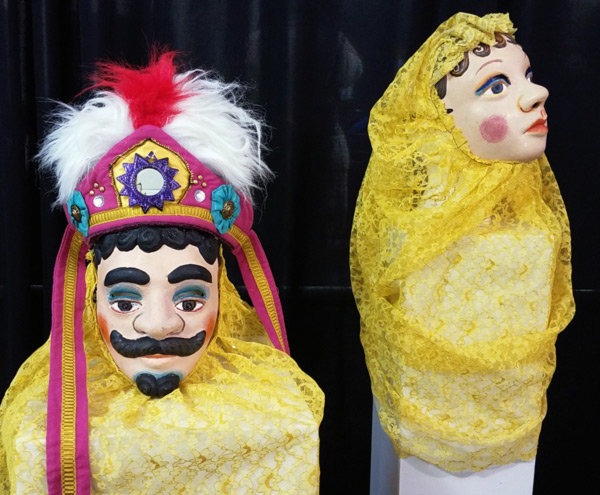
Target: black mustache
pixel 146 346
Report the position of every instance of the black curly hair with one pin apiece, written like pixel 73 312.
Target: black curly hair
pixel 152 238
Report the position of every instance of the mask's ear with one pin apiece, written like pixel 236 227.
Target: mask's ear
pixel 91 278
pixel 441 86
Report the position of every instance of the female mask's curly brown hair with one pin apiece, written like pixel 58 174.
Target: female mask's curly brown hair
pixel 481 50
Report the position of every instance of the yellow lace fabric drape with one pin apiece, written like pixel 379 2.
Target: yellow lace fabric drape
pixel 244 421
pixel 461 272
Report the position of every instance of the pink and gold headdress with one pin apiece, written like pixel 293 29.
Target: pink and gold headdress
pixel 150 147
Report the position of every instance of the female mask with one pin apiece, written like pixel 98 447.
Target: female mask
pixel 460 251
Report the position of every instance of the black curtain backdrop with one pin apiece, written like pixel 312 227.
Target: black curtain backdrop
pixel 316 68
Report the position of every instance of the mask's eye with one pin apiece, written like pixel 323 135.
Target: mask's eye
pixel 124 299
pixel 496 89
pixel 124 306
pixel 495 85
pixel 190 305
pixel 190 299
pixel 529 74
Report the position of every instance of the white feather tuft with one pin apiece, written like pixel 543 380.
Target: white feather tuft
pixel 80 136
pixel 210 124
pixel 216 129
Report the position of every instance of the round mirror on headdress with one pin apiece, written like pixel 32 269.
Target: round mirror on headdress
pixel 149 181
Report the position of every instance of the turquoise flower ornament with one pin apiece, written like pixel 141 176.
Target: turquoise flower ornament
pixel 225 207
pixel 79 213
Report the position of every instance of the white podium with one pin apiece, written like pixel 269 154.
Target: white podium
pixel 412 476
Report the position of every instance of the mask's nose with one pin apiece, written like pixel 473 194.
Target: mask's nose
pixel 533 97
pixel 159 322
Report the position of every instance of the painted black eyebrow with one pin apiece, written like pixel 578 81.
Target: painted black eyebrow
pixel 133 275
pixel 189 272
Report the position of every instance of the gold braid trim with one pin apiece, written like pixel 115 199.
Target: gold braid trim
pixel 260 279
pixel 168 210
pixel 69 400
pixel 204 214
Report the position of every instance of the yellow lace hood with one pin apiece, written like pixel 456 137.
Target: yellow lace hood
pixel 461 272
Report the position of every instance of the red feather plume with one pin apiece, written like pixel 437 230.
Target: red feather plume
pixel 150 92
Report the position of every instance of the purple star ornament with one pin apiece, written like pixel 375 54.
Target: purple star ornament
pixel 148 182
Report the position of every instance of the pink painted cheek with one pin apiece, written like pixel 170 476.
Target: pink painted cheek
pixel 494 129
pixel 103 328
pixel 210 327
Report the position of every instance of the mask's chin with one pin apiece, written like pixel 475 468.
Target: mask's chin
pixel 157 385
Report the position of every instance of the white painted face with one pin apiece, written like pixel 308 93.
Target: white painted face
pixel 497 106
pixel 165 294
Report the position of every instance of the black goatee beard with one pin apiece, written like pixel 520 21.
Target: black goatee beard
pixel 157 387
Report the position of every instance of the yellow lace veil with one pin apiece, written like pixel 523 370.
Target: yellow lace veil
pixel 461 272
pixel 241 373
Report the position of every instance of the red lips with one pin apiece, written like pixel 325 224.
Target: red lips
pixel 538 127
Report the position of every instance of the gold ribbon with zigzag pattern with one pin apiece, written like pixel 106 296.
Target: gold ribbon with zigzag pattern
pixel 68 467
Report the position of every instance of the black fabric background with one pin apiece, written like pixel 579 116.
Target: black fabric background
pixel 316 68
